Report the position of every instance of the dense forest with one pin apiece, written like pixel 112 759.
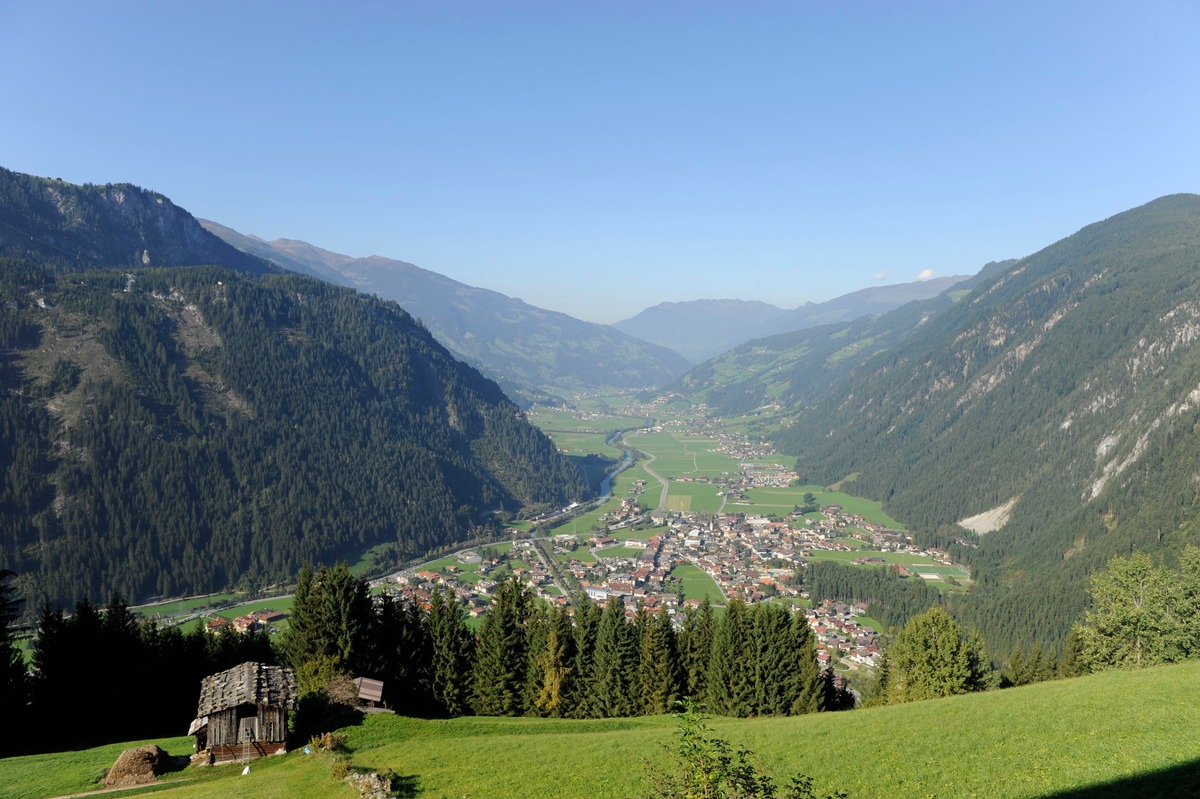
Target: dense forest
pixel 185 430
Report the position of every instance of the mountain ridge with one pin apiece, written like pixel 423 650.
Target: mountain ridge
pixel 531 351
pixel 703 329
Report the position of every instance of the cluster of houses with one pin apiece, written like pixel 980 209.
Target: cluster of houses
pixel 841 636
pixel 748 557
pixel 260 621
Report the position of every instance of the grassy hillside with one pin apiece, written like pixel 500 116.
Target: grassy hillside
pixel 1115 734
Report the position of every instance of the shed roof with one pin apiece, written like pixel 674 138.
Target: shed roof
pixel 248 684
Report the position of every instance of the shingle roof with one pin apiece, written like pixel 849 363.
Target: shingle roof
pixel 248 684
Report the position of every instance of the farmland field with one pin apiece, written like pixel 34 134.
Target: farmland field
pixel 694 497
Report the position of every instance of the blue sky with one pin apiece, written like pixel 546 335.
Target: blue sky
pixel 600 157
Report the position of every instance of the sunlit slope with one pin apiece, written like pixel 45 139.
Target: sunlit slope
pixel 1115 734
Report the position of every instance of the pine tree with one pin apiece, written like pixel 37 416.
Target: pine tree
pixel 695 647
pixel 537 635
pixel 658 666
pixel 501 656
pixel 451 642
pixel 776 665
pixel 730 677
pixel 331 614
pixel 557 665
pixel 815 689
pixel 13 687
pixel 1016 666
pixel 587 627
pixel 615 663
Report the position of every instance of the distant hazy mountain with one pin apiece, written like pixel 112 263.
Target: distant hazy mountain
pixel 528 350
pixel 702 329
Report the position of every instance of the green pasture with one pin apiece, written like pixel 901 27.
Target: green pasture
pixel 905 559
pixel 619 552
pixel 283 604
pixel 697 584
pixel 870 510
pixel 182 607
pixel 1117 734
pixel 694 497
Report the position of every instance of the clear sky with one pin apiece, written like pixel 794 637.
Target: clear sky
pixel 599 157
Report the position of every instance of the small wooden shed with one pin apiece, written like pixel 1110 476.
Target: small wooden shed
pixel 243 713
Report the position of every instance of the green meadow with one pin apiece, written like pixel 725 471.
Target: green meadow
pixel 1117 734
pixel 697 584
pixel 694 497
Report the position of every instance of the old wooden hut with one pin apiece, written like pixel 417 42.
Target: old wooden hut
pixel 243 713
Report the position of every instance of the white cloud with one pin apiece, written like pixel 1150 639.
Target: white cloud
pixel 925 274
pixel 881 275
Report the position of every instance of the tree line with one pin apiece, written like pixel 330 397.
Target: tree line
pixel 533 659
pixel 139 680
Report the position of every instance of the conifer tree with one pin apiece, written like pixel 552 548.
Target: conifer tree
pixel 537 634
pixel 658 666
pixel 1016 674
pixel 331 614
pixel 615 663
pixel 557 664
pixel 587 626
pixel 501 656
pixel 730 677
pixel 695 647
pixel 815 689
pixel 451 642
pixel 399 651
pixel 13 687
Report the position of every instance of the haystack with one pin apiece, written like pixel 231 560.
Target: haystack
pixel 137 767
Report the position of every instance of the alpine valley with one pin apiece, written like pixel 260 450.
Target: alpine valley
pixel 1053 408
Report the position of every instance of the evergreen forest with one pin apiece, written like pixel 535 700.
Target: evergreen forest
pixel 179 431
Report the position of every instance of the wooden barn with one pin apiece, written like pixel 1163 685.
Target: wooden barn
pixel 243 713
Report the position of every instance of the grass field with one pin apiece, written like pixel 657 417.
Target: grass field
pixel 697 583
pixel 782 500
pixel 694 497
pixel 1111 735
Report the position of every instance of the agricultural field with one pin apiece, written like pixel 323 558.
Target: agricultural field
pixel 697 584
pixel 1073 739
pixel 781 501
pixel 694 498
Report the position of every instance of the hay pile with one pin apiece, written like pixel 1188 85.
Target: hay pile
pixel 137 767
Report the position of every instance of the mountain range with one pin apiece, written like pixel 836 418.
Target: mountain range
pixel 534 354
pixel 702 329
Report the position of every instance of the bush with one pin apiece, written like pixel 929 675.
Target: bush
pixel 707 767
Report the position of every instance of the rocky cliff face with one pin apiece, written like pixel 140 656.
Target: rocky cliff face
pixel 74 228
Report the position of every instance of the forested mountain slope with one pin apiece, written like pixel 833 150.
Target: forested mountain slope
pixel 65 227
pixel 790 370
pixel 184 430
pixel 529 350
pixel 1066 388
